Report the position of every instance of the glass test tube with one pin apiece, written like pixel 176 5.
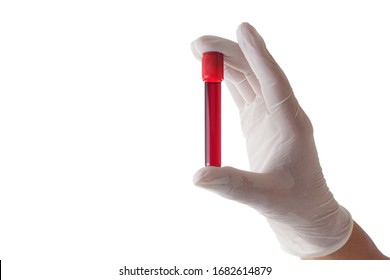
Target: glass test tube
pixel 212 74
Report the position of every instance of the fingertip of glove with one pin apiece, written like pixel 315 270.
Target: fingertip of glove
pixel 194 49
pixel 197 178
pixel 244 26
pixel 204 44
pixel 200 177
pixel 244 29
pixel 246 32
pixel 211 175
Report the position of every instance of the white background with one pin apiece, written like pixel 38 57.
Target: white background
pixel 101 130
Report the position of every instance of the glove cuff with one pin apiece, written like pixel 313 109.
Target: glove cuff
pixel 316 240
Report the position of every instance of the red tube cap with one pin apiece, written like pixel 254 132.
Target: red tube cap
pixel 212 67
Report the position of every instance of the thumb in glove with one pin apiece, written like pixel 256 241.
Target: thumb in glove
pixel 307 222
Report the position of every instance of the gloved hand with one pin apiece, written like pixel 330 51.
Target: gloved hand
pixel 286 184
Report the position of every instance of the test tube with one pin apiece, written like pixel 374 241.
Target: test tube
pixel 212 74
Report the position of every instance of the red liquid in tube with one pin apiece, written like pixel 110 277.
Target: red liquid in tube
pixel 212 74
pixel 212 124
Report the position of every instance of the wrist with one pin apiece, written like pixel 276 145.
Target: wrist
pixel 321 236
pixel 358 247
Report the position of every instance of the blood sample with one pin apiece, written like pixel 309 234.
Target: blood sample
pixel 212 74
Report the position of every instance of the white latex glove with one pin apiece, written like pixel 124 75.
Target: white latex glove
pixel 286 184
